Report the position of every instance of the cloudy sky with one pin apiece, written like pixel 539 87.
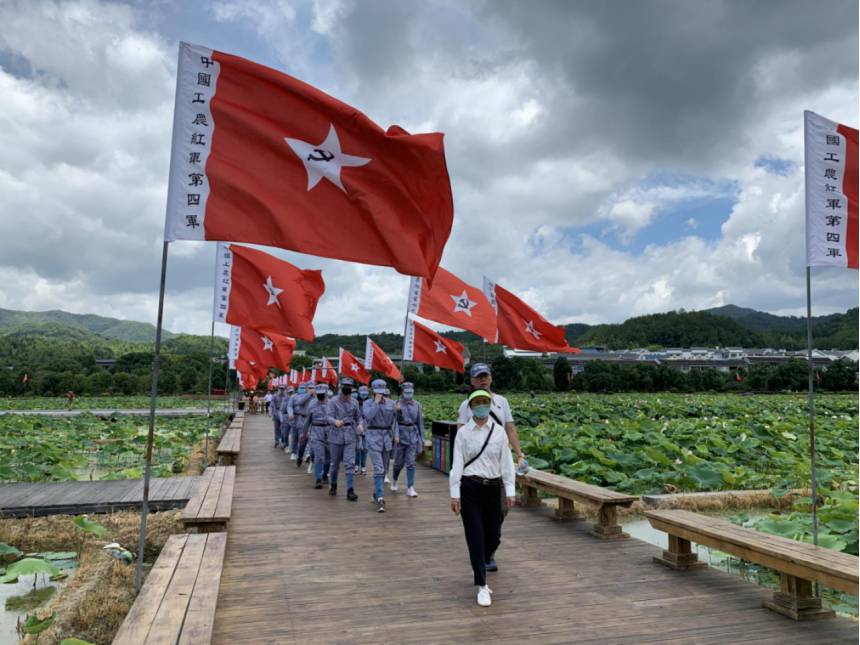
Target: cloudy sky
pixel 608 159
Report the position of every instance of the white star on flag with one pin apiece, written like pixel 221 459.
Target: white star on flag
pixel 267 344
pixel 530 328
pixel 324 160
pixel 355 367
pixel 273 292
pixel 440 347
pixel 462 303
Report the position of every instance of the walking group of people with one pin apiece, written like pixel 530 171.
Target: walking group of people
pixel 327 429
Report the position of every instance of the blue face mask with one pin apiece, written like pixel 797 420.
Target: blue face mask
pixel 482 411
pixel 408 395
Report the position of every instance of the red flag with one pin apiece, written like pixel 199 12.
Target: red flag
pixel 261 157
pixel 247 381
pixel 831 167
pixel 328 374
pixel 307 377
pixel 257 290
pixel 521 327
pixel 376 359
pixel 250 368
pixel 350 366
pixel 266 349
pixel 451 301
pixel 424 345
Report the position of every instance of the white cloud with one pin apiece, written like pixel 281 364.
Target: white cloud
pixel 534 145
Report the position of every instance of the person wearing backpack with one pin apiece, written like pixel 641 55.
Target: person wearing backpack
pixel 482 469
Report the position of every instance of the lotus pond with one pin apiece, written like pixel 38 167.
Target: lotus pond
pixel 105 402
pixel 40 448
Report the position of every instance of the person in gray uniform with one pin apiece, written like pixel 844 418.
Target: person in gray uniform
pixel 344 419
pixel 380 426
pixel 275 407
pixel 410 433
pixel 286 423
pixel 360 437
pixel 318 428
pixel 297 412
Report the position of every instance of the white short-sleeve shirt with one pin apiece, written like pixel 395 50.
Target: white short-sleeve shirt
pixel 499 406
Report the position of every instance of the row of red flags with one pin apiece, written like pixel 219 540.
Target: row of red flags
pixel 261 157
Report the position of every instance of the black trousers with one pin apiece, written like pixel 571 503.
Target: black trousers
pixel 481 512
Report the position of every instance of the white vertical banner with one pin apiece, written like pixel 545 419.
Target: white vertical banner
pixel 223 282
pixel 233 347
pixel 490 292
pixel 409 339
pixel 831 222
pixel 368 354
pixel 414 301
pixel 193 127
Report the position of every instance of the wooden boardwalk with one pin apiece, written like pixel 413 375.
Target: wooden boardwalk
pixel 74 498
pixel 302 567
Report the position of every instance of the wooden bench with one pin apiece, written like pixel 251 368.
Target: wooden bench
pixel 799 564
pixel 177 601
pixel 212 501
pixel 229 446
pixel 568 491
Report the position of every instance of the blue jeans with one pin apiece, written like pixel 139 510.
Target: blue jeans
pixel 378 486
pixel 361 458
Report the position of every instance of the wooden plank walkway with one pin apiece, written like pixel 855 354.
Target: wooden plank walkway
pixel 74 498
pixel 302 567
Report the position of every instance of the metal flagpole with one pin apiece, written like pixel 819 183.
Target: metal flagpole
pixel 811 405
pixel 209 398
pixel 149 437
pixel 228 405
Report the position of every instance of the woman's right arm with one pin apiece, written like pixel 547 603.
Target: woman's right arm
pixel 456 473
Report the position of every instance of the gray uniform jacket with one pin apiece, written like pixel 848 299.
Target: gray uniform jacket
pixel 346 411
pixel 410 423
pixel 298 407
pixel 318 420
pixel 380 424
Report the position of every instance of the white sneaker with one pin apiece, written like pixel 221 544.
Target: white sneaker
pixel 287 449
pixel 484 599
pixel 364 471
pixel 310 468
pixel 411 492
pixel 293 457
pixel 387 481
pixel 394 486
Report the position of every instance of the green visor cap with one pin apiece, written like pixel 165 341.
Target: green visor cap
pixel 477 393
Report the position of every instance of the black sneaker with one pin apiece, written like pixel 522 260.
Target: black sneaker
pixel 332 491
pixel 351 496
pixel 491 566
pixel 325 479
pixel 380 505
pixel 318 485
pixel 298 463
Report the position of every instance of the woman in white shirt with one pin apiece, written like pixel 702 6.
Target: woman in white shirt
pixel 482 465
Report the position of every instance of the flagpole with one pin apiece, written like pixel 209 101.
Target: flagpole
pixel 144 509
pixel 811 405
pixel 209 398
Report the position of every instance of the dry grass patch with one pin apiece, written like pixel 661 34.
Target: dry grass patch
pixel 95 601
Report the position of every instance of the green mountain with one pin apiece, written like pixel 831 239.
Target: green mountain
pixel 53 323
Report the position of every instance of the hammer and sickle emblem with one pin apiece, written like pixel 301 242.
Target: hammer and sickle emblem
pixel 320 155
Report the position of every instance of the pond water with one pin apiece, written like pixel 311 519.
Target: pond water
pixel 17 599
pixel 639 528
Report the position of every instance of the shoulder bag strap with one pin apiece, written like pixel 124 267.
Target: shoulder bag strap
pixel 481 451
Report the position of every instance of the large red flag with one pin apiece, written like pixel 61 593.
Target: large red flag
pixel 451 301
pixel 521 327
pixel 250 368
pixel 257 290
pixel 350 366
pixel 266 349
pixel 376 359
pixel 831 161
pixel 259 156
pixel 424 345
pixel 327 373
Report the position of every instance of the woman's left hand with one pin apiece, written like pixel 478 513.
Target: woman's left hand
pixel 512 501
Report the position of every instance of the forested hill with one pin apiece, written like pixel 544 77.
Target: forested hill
pixel 61 324
pixel 740 328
